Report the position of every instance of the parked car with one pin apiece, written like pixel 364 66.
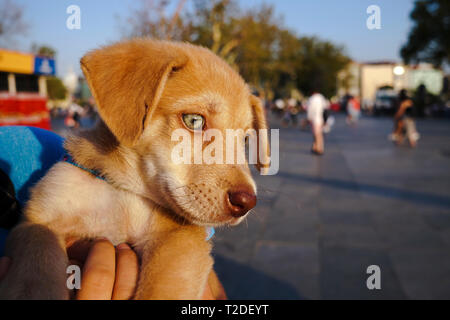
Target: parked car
pixel 385 102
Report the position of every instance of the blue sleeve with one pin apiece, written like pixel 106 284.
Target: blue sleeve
pixel 26 154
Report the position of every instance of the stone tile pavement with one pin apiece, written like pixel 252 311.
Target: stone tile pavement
pixel 320 222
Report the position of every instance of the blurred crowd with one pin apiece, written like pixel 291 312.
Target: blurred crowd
pixel 74 113
pixel 297 112
pixel 317 113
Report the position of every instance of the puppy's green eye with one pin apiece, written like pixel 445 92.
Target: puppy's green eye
pixel 194 121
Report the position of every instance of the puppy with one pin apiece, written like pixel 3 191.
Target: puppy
pixel 124 185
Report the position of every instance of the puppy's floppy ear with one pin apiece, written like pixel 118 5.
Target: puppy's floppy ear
pixel 127 80
pixel 260 125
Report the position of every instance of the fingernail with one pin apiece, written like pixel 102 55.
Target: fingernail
pixel 123 246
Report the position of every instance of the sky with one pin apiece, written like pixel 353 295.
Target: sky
pixel 343 22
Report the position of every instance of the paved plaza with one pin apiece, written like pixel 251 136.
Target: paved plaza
pixel 321 221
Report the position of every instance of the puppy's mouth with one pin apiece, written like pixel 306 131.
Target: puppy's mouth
pixel 215 221
pixel 190 208
pixel 232 222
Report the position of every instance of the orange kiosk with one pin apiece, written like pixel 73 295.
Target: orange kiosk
pixel 23 90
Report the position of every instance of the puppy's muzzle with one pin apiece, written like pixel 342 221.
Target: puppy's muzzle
pixel 240 202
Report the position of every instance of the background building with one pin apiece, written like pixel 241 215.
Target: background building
pixel 365 79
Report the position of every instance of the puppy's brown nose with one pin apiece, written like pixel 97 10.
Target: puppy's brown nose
pixel 241 202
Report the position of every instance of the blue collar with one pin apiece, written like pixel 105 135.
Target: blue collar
pixel 210 231
pixel 68 158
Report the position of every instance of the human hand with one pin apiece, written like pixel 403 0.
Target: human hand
pixel 108 272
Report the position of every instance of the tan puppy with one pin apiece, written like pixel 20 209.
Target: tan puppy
pixel 144 90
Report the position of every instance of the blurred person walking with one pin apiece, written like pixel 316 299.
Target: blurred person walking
pixel 404 124
pixel 420 100
pixel 279 107
pixel 304 122
pixel 328 121
pixel 316 106
pixel 353 110
pixel 73 119
pixel 291 112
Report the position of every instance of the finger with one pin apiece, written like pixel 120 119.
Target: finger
pixel 97 279
pixel 127 270
pixel 4 266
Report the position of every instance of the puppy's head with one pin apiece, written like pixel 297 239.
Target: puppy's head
pixel 146 91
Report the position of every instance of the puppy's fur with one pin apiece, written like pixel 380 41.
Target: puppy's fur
pixel 142 87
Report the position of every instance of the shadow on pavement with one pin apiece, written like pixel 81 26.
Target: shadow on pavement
pixel 388 192
pixel 243 282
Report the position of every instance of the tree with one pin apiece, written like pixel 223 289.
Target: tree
pixel 213 26
pixel 288 60
pixel 429 39
pixel 151 18
pixel 254 42
pixel 56 89
pixel 322 61
pixel 11 21
pixel 257 51
pixel 44 51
